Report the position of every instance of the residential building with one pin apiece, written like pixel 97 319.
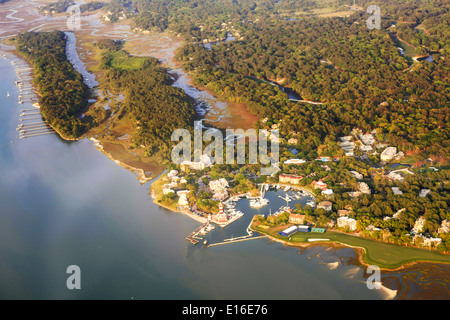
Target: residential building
pixel 219 189
pixel 397 191
pixel 343 222
pixel 427 242
pixel 296 218
pixel 364 188
pixel 294 161
pixel 372 228
pixel 388 154
pixel 424 192
pixel 343 213
pixel 395 176
pixel 289 178
pixel 346 138
pixel 182 198
pixel 326 205
pixel 418 225
pixel 319 185
pixel 366 148
pixel 397 214
pixel 445 227
pixel 357 175
pixel 367 139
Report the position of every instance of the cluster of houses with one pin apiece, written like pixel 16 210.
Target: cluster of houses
pixel 368 143
pixel 219 188
pixel 109 16
pixel 173 182
pixel 422 194
pixel 322 186
pixel 418 229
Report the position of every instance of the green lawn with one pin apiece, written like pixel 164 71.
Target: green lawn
pixel 384 255
pixel 123 61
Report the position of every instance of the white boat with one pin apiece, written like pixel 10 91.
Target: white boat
pixel 287 199
pixel 7 94
pixel 287 188
pixel 311 203
pixel 258 203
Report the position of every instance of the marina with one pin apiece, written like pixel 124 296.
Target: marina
pixel 242 206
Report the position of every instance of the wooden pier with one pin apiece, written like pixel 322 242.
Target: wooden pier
pixel 193 236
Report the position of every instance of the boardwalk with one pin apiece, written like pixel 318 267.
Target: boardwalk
pixel 235 240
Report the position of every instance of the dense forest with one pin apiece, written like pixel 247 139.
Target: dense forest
pixel 156 107
pixel 339 62
pixel 62 93
pixel 358 74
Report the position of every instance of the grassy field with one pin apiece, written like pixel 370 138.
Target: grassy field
pixel 123 61
pixel 384 255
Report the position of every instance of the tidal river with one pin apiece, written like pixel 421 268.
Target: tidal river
pixel 65 204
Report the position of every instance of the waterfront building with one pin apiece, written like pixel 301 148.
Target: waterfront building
pixel 221 216
pixel 287 232
pixel 183 202
pixel 304 228
pixel 296 218
pixel 289 178
pixel 319 185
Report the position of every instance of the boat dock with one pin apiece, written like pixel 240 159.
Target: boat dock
pixel 203 229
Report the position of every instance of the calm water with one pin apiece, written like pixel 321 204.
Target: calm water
pixel 67 203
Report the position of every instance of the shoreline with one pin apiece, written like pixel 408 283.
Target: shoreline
pixel 139 172
pixel 361 252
